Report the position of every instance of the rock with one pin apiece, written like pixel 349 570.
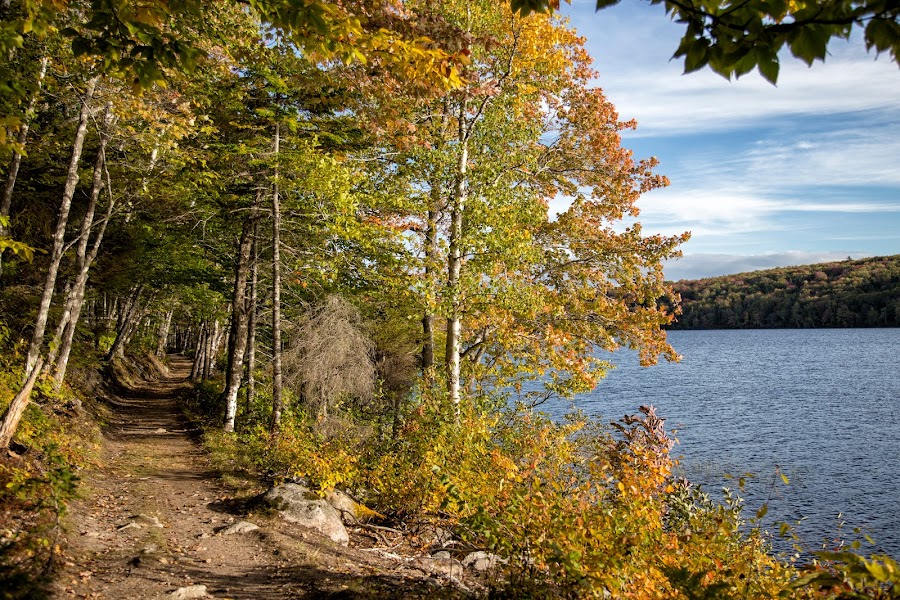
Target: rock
pixel 160 431
pixel 437 537
pixel 297 504
pixel 239 527
pixel 482 561
pixel 149 520
pixel 351 511
pixel 442 554
pixel 191 591
pixel 440 566
pixel 131 525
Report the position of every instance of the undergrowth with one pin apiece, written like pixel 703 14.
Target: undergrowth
pixel 55 439
pixel 576 509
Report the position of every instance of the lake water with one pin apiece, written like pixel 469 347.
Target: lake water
pixel 821 405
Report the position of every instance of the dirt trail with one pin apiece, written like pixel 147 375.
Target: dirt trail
pixel 148 523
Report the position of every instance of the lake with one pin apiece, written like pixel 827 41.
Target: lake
pixel 821 405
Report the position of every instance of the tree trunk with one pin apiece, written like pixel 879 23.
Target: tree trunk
pixel 431 251
pixel 457 206
pixel 16 162
pixel 62 219
pixel 250 353
pixel 65 331
pixel 277 401
pixel 13 415
pixel 237 340
pixel 215 341
pixel 130 315
pixel 208 350
pixel 162 337
pixel 134 324
pixel 198 353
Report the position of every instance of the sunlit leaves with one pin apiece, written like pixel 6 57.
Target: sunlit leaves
pixel 143 42
pixel 18 248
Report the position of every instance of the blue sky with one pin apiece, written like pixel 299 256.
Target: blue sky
pixel 762 176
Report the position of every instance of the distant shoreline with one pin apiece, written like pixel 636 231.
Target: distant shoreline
pixel 848 294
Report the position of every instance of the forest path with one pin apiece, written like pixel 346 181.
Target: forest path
pixel 148 524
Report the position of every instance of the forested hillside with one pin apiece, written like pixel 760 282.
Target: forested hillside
pixel 851 293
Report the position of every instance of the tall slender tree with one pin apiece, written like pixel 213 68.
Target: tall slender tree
pixel 62 219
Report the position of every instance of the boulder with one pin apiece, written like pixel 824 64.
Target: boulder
pixel 482 561
pixel 297 504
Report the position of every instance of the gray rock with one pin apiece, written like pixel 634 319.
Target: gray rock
pixel 482 561
pixel 131 525
pixel 149 520
pixel 239 527
pixel 191 591
pixel 442 554
pixel 297 504
pixel 440 566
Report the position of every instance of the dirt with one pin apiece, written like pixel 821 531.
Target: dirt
pixel 148 525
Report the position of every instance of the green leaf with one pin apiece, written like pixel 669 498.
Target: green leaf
pixel 768 68
pixel 763 510
pixel 80 46
pixel 697 56
pixel 881 34
pixel 810 43
pixel 878 571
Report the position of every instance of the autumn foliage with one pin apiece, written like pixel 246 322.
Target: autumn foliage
pixel 398 227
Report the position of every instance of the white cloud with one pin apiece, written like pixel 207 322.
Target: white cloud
pixel 844 156
pixel 632 45
pixel 704 102
pixel 723 212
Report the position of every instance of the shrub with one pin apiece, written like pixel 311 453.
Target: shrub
pixel 578 509
pixel 54 442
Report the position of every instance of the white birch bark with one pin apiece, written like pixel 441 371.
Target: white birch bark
pixel 56 252
pixel 454 263
pixel 277 400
